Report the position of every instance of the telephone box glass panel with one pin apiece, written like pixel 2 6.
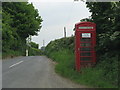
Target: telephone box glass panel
pixel 85 58
pixel 85 49
pixel 85 39
pixel 85 54
pixel 85 44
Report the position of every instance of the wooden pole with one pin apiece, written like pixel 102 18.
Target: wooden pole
pixel 65 32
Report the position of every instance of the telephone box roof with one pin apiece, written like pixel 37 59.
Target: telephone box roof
pixel 84 23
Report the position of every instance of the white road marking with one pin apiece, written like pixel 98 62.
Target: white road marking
pixel 15 64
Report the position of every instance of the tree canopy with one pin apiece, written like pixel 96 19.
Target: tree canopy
pixel 106 16
pixel 20 20
pixel 24 17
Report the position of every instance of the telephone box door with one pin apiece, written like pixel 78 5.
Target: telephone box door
pixel 85 48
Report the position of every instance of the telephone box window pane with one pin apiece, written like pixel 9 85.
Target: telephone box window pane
pixel 86 54
pixel 85 58
pixel 85 49
pixel 85 39
pixel 85 44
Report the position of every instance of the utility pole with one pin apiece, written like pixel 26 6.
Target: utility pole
pixel 43 47
pixel 65 32
pixel 43 43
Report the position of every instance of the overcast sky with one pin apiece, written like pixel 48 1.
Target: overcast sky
pixel 56 15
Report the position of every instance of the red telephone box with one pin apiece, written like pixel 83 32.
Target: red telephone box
pixel 85 41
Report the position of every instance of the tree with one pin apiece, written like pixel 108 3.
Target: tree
pixel 20 20
pixel 105 15
pixel 26 18
pixel 34 45
pixel 86 20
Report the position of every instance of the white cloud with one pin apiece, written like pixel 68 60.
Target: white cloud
pixel 51 0
pixel 56 16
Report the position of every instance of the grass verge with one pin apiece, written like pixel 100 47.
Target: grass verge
pixel 92 77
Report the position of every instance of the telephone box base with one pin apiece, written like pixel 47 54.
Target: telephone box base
pixel 88 64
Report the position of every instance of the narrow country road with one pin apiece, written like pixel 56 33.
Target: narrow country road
pixel 33 72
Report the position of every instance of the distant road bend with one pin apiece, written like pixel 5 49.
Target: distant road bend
pixel 32 72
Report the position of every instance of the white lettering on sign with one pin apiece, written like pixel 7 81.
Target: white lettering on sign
pixel 86 35
pixel 85 27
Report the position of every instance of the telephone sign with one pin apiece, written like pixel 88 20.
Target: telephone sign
pixel 85 41
pixel 86 35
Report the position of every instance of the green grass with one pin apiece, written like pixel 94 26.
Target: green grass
pixel 92 77
pixel 11 53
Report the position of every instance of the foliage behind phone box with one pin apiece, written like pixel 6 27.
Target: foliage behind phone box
pixel 104 74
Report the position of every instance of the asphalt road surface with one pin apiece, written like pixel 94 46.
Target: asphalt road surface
pixel 33 72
